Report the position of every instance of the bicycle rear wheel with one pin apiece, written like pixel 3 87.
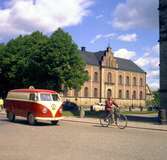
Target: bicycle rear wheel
pixel 121 121
pixel 104 120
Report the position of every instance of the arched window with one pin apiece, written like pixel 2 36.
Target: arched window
pixel 127 81
pixel 88 74
pixel 75 93
pixel 95 76
pixel 120 94
pixel 109 93
pixel 86 92
pixel 120 81
pixel 95 92
pixel 127 94
pixel 134 95
pixel 134 81
pixel 109 77
pixel 141 95
pixel 141 82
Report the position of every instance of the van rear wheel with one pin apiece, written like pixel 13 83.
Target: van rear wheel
pixel 31 119
pixel 54 122
pixel 11 116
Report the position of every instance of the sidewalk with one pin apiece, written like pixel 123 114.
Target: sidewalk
pixel 131 124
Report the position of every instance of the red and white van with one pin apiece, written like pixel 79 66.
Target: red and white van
pixel 34 104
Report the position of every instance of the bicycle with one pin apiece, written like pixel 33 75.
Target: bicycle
pixel 116 118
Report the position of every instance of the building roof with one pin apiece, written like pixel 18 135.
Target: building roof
pixel 94 58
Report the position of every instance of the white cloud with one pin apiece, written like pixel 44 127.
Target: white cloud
pixel 124 53
pixel 148 61
pixel 128 37
pixel 153 74
pixel 142 61
pixel 154 85
pixel 97 37
pixel 22 16
pixel 102 36
pixel 155 48
pixel 136 13
pixel 125 37
pixel 99 16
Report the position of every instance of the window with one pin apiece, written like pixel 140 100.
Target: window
pixel 55 97
pixel 95 92
pixel 95 76
pixel 75 93
pixel 32 97
pixel 120 80
pixel 109 93
pixel 120 94
pixel 127 94
pixel 86 92
pixel 88 74
pixel 109 78
pixel 141 82
pixel 134 81
pixel 141 95
pixel 127 81
pixel 45 97
pixel 134 95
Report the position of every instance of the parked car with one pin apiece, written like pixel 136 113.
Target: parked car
pixel 70 106
pixel 98 107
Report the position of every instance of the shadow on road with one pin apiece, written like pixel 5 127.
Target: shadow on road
pixel 24 122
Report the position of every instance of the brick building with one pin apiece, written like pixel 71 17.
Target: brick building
pixel 110 76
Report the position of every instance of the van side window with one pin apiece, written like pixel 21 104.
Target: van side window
pixel 55 97
pixel 32 97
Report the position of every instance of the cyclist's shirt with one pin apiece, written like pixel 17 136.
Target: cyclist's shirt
pixel 108 105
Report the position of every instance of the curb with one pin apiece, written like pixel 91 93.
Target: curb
pixel 128 126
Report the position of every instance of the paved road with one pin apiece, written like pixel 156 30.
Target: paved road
pixel 77 141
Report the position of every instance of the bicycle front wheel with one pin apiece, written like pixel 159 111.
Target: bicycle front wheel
pixel 104 120
pixel 121 121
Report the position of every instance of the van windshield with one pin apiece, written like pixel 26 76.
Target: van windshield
pixel 45 97
pixel 49 97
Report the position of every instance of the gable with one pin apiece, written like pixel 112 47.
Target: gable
pixel 101 58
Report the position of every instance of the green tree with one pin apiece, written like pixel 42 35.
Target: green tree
pixel 156 96
pixel 58 63
pixel 45 62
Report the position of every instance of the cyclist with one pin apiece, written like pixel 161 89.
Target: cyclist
pixel 109 106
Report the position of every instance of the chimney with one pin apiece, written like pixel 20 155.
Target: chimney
pixel 83 49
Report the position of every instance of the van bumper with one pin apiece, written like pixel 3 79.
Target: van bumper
pixel 49 118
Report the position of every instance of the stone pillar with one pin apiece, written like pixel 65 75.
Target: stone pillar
pixel 82 112
pixel 163 61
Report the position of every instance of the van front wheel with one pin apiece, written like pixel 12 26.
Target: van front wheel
pixel 31 119
pixel 11 116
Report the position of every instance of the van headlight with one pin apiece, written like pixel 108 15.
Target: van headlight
pixel 61 110
pixel 44 110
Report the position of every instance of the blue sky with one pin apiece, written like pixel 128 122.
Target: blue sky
pixel 129 26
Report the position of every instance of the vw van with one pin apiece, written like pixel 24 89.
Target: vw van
pixel 34 104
